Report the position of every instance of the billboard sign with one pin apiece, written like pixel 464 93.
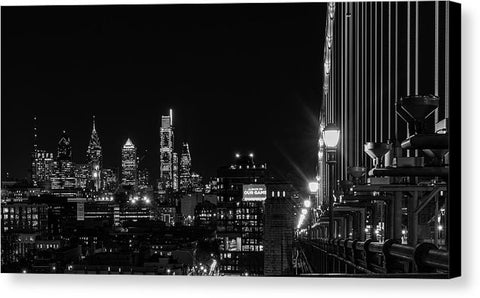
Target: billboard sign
pixel 254 192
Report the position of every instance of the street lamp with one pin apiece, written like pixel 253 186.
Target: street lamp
pixel 331 136
pixel 307 203
pixel 313 187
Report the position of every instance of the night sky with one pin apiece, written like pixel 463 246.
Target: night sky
pixel 240 78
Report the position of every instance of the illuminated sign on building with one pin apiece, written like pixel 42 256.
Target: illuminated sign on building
pixel 254 192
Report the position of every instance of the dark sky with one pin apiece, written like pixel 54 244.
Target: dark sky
pixel 240 78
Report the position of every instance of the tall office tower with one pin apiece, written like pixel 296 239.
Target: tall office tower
pixel 143 178
pixel 129 164
pixel 64 148
pixel 42 168
pixel 94 158
pixel 82 175
pixel 109 179
pixel 42 161
pixel 175 171
pixel 185 169
pixel 64 173
pixel 241 196
pixel 166 154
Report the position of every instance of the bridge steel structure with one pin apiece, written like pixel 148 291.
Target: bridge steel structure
pixel 389 77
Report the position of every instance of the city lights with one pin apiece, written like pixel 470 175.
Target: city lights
pixel 313 186
pixel 358 176
pixel 307 203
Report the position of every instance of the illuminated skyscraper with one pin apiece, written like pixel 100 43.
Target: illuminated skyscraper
pixel 64 148
pixel 42 161
pixel 185 168
pixel 94 158
pixel 63 170
pixel 168 159
pixel 129 164
pixel 110 181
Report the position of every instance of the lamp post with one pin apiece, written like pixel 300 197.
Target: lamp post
pixel 331 136
pixel 309 204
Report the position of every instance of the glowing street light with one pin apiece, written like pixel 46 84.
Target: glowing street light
pixel 237 155
pixel 251 155
pixel 331 136
pixel 313 186
pixel 307 203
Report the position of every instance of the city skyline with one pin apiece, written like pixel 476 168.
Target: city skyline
pixel 130 106
pixel 258 139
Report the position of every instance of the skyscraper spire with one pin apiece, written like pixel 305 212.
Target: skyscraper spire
pixel 94 139
pixel 94 157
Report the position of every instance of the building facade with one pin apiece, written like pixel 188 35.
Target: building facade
pixel 185 169
pixel 94 159
pixel 168 159
pixel 129 164
pixel 240 219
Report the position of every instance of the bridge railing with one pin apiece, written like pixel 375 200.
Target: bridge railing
pixel 369 257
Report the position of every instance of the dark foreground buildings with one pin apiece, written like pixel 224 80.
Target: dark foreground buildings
pixel 254 223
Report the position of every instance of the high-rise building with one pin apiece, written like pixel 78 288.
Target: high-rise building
pixel 196 182
pixel 63 168
pixel 175 171
pixel 42 167
pixel 241 196
pixel 168 160
pixel 94 158
pixel 109 179
pixel 129 164
pixel 64 148
pixel 42 162
pixel 185 169
pixel 143 178
pixel 82 175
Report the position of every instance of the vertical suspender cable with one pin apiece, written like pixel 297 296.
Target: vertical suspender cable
pixel 408 48
pixel 364 118
pixel 345 86
pixel 356 97
pixel 389 70
pixel 436 56
pixel 416 47
pixel 372 135
pixel 365 73
pixel 447 56
pixel 381 73
pixel 357 85
pixel 396 69
pixel 376 71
